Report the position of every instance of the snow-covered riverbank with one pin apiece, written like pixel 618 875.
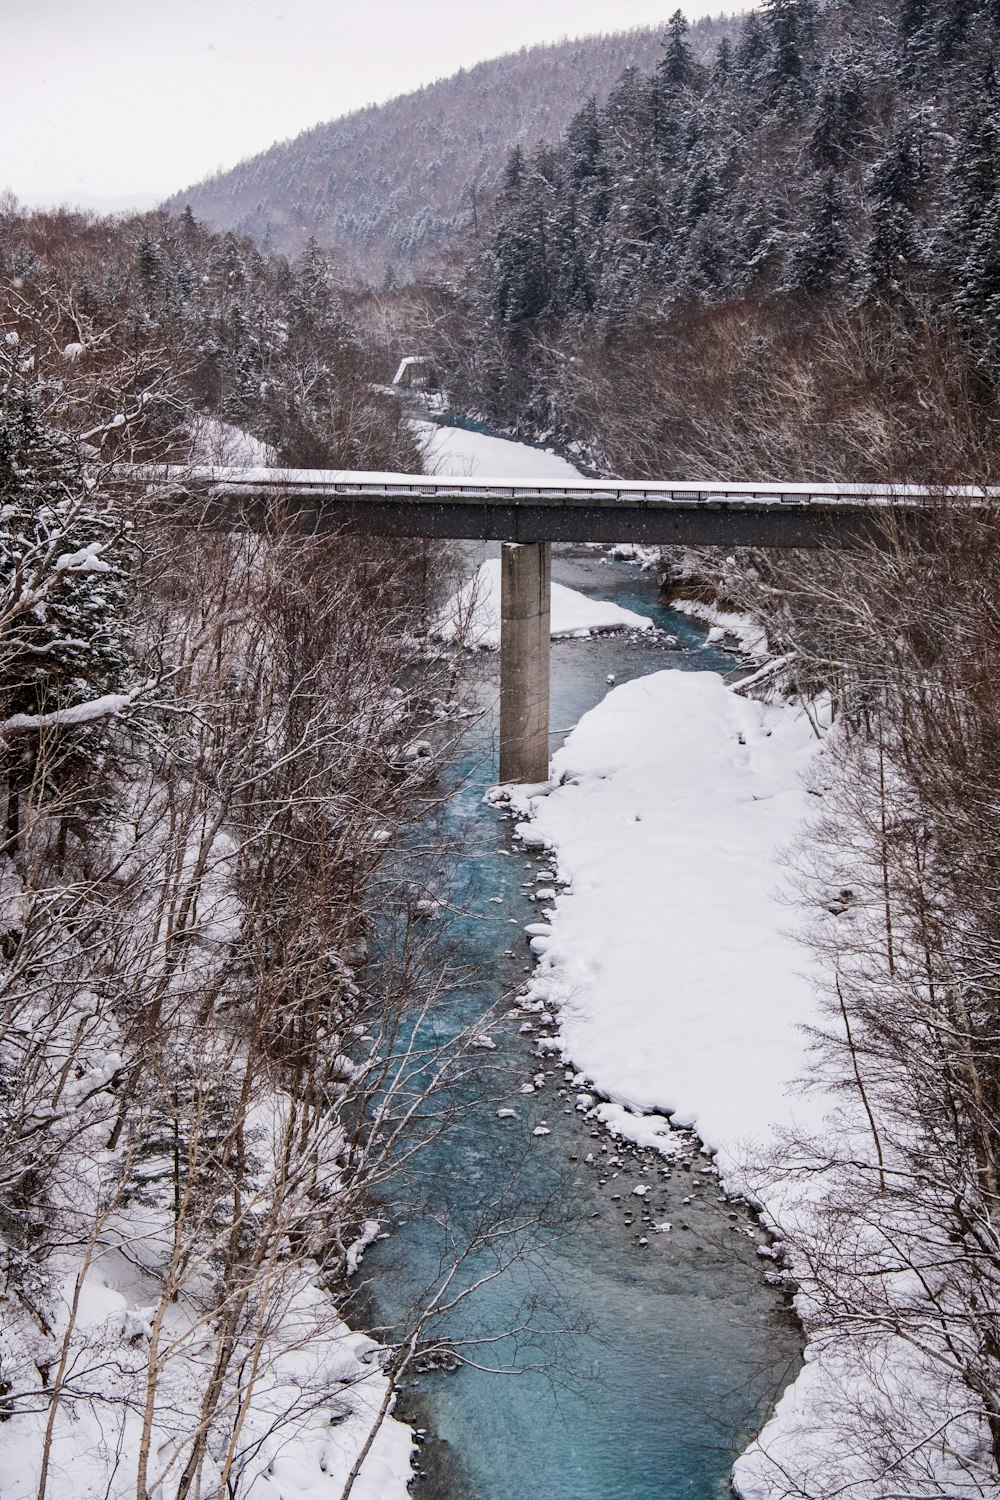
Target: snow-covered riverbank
pixel 678 984
pixel 672 957
pixel 463 453
pixel 316 1399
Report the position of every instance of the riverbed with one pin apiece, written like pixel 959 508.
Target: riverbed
pixel 650 1344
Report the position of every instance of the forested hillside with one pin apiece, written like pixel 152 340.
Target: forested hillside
pixel 208 741
pixel 197 324
pixel 386 187
pixel 823 193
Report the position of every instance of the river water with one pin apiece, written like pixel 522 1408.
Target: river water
pixel 642 1343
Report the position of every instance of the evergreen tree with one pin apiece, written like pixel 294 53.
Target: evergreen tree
pixel 967 235
pixel 917 43
pixel 64 636
pixel 513 172
pixel 822 261
pixel 520 280
pixel 900 174
pixel 954 28
pixel 977 294
pixel 677 68
pixel 723 65
pixel 149 261
pixel 838 117
pixel 583 144
pixel 756 257
pixel 750 58
pixel 893 255
pixel 572 289
pixel 790 25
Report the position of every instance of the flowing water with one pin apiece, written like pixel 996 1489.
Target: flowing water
pixel 640 1358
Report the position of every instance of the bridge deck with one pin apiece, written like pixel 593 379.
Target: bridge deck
pixel 753 513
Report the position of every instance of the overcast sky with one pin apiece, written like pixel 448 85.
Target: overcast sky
pixel 108 99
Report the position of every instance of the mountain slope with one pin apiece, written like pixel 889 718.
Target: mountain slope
pixel 780 265
pixel 385 186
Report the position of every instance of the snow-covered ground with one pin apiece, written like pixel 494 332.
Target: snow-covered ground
pixel 216 442
pixel 456 451
pixel 680 987
pixel 474 612
pixel 313 1408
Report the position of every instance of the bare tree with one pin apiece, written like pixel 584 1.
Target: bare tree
pixel 899 1258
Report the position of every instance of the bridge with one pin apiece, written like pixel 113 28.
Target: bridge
pixel 528 516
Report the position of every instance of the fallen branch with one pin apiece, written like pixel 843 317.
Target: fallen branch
pixel 769 669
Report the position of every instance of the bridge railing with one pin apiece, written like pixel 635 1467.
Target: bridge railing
pixel 377 486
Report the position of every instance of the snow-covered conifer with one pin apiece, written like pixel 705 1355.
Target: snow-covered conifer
pixel 64 633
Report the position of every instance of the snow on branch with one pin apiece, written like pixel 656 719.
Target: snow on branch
pixel 369 1234
pixel 87 560
pixel 109 706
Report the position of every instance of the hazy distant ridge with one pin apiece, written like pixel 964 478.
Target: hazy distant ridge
pixel 386 185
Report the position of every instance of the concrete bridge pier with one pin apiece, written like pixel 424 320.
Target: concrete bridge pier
pixel 525 593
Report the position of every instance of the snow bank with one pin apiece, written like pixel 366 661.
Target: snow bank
pixel 679 985
pixel 475 612
pixel 314 1406
pixel 454 451
pixel 216 442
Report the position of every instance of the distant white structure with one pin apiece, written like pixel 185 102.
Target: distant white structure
pixel 418 372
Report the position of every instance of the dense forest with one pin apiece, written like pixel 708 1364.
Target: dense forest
pixel 160 322
pixel 386 187
pixel 778 258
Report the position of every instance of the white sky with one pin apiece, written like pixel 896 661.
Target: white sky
pixel 109 99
